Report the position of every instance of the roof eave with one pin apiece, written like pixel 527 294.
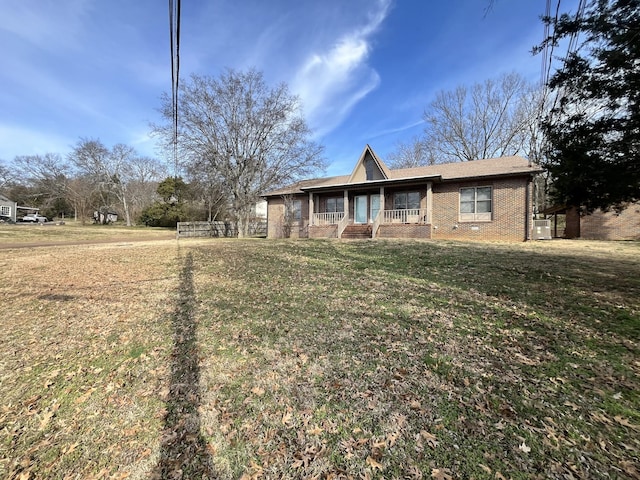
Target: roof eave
pixel 492 175
pixel 403 180
pixel 369 183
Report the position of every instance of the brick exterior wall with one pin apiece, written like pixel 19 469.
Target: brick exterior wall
pixel 323 231
pixel 572 225
pixel 404 231
pixel 611 225
pixel 509 211
pixel 276 227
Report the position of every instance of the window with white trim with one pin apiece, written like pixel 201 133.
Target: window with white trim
pixel 406 200
pixel 335 204
pixel 296 210
pixel 5 210
pixel 476 204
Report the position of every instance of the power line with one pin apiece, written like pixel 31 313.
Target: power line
pixel 545 45
pixel 547 57
pixel 548 44
pixel 573 40
pixel 571 47
pixel 174 37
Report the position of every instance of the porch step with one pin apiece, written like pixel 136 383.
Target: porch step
pixel 357 231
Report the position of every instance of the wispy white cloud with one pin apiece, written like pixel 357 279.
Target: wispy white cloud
pixel 332 81
pixel 17 141
pixel 46 24
pixel 44 92
pixel 394 130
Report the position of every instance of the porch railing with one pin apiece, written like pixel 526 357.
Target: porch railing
pixel 331 218
pixel 376 223
pixel 344 221
pixel 409 215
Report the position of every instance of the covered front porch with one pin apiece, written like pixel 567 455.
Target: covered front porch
pixel 371 213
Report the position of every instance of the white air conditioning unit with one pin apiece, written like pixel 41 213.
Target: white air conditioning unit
pixel 541 230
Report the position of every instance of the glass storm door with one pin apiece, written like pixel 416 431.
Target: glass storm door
pixel 375 206
pixel 360 209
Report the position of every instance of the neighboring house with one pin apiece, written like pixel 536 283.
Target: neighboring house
pixel 104 216
pixel 483 199
pixel 7 208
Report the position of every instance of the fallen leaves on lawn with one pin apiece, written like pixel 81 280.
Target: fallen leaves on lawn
pixel 441 474
pixel 524 448
pixel 324 360
pixel 625 422
pixel 430 438
pixel 373 463
pixel 72 362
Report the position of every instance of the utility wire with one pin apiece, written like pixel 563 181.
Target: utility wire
pixel 545 48
pixel 549 42
pixel 174 36
pixel 547 59
pixel 571 47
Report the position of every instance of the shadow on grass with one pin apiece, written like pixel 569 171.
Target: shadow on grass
pixel 184 451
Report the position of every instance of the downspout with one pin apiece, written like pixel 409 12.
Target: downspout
pixel 526 216
pixel 267 229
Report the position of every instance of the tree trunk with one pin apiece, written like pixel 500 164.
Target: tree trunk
pixel 125 205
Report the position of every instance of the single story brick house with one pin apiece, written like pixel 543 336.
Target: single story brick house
pixel 482 200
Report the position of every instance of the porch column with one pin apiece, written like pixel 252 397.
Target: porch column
pixel 310 208
pixel 429 202
pixel 346 204
pixel 382 200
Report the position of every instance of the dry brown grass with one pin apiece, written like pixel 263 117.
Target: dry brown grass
pixel 72 232
pixel 83 359
pixel 259 359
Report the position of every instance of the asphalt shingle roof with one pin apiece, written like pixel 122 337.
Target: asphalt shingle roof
pixel 513 165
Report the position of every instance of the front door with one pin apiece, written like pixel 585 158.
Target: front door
pixel 360 209
pixel 375 206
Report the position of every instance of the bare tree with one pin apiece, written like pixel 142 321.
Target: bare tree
pixel 490 119
pixel 82 192
pixel 252 135
pixel 46 178
pixel 6 176
pixel 145 173
pixel 414 153
pixel 47 174
pixel 209 187
pixel 114 170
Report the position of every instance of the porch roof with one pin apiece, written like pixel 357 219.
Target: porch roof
pixel 296 188
pixel 370 183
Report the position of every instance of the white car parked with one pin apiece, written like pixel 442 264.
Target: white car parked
pixel 34 218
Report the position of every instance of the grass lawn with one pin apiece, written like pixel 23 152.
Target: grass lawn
pixel 320 359
pixel 70 231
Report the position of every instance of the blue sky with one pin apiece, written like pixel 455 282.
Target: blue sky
pixel 365 69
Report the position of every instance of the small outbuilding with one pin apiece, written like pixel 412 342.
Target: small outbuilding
pixel 598 225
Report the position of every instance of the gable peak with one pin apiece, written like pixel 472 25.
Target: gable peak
pixel 369 167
